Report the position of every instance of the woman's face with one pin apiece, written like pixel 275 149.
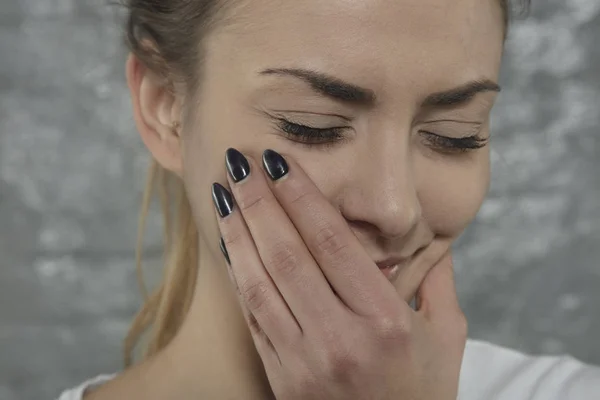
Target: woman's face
pixel 392 91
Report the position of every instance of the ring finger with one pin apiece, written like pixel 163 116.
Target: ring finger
pixel 257 291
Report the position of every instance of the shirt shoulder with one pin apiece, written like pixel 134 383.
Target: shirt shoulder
pixel 496 373
pixel 78 392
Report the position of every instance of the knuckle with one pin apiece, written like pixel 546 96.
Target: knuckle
pixel 251 203
pixel 301 197
pixel 232 238
pixel 329 242
pixel 340 361
pixel 392 327
pixel 254 325
pixel 307 380
pixel 284 260
pixel 255 293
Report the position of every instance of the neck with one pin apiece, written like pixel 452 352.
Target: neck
pixel 215 340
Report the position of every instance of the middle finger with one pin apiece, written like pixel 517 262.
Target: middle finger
pixel 344 261
pixel 280 246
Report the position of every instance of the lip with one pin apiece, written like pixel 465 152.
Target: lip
pixel 392 267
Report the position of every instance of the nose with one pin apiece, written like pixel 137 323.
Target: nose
pixel 382 193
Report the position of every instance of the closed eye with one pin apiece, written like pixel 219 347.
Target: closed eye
pixel 311 136
pixel 462 144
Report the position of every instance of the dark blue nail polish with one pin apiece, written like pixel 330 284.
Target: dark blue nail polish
pixel 222 199
pixel 274 164
pixel 237 165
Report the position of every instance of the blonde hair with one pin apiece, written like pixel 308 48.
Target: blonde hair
pixel 164 310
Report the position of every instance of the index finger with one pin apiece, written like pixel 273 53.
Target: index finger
pixel 350 271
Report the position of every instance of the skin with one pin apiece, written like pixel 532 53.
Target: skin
pixel 396 193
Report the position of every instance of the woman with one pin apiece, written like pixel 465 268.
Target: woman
pixel 331 151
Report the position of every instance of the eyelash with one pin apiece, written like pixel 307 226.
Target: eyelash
pixel 311 136
pixel 459 145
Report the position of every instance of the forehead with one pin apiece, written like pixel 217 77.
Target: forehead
pixel 379 42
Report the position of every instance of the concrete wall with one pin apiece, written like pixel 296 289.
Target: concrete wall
pixel 72 169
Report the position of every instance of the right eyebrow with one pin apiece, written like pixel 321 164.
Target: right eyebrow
pixel 329 86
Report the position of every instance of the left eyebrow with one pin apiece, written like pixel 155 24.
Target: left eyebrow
pixel 461 94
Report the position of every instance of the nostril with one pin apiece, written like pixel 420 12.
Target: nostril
pixel 386 225
pixel 399 224
pixel 378 213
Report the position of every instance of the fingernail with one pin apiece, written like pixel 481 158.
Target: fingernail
pixel 237 165
pixel 224 251
pixel 222 199
pixel 275 164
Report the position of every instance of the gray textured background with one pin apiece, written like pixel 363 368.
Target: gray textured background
pixel 72 170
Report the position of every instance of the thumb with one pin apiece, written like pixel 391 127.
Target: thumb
pixel 436 298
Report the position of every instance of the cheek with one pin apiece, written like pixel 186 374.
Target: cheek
pixel 216 126
pixel 201 167
pixel 451 193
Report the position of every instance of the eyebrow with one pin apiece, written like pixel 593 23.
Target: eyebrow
pixel 461 94
pixel 328 85
pixel 338 89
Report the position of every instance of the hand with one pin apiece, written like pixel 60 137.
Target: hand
pixel 325 321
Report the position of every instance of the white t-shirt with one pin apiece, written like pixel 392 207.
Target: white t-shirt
pixel 491 372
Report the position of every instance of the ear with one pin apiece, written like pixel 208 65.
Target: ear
pixel 157 113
